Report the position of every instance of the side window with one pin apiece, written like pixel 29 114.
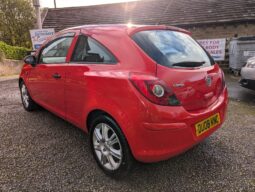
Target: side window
pixel 56 51
pixel 88 50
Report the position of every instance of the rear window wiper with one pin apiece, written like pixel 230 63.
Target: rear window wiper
pixel 189 64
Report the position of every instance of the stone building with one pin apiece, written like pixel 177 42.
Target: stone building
pixel 204 18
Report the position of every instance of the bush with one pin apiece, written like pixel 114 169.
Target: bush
pixel 2 56
pixel 13 52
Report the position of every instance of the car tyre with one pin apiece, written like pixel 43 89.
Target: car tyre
pixel 27 101
pixel 110 147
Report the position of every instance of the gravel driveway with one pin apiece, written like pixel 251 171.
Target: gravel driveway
pixel 41 152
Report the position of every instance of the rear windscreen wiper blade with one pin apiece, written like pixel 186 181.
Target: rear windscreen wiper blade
pixel 189 64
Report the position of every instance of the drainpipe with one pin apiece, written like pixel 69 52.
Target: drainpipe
pixel 36 4
pixel 55 4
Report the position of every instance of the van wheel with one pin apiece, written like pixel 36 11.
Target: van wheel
pixel 109 147
pixel 27 101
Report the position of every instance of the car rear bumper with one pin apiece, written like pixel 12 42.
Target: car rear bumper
pixel 248 78
pixel 160 141
pixel 247 83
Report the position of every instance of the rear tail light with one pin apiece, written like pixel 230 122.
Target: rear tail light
pixel 220 87
pixel 223 79
pixel 154 89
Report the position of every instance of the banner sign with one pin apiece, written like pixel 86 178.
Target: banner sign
pixel 215 47
pixel 249 53
pixel 38 36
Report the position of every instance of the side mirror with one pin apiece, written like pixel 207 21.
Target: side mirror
pixel 30 59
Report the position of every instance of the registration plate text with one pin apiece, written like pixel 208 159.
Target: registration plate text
pixel 207 124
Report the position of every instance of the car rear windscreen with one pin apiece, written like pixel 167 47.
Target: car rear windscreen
pixel 172 48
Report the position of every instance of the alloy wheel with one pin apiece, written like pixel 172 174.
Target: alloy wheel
pixel 107 146
pixel 25 96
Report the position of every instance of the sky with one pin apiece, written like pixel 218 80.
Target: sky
pixel 72 3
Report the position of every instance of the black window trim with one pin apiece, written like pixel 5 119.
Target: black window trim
pixel 116 61
pixel 65 35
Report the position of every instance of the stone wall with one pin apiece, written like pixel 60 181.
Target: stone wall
pixel 222 31
pixel 10 67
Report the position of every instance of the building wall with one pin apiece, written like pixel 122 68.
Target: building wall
pixel 222 31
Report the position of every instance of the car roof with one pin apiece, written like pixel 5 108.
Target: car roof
pixel 128 28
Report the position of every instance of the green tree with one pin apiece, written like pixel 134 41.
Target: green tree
pixel 16 18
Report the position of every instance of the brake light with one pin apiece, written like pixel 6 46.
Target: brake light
pixel 221 85
pixel 223 79
pixel 154 89
pixel 223 82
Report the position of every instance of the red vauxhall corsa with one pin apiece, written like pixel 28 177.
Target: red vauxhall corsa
pixel 141 92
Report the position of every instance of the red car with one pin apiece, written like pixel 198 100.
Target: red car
pixel 143 93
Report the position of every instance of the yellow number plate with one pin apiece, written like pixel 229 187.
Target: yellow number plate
pixel 207 124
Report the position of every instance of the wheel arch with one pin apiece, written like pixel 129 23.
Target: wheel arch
pixel 94 113
pixel 20 80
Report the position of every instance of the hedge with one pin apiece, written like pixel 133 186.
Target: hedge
pixel 1 55
pixel 13 52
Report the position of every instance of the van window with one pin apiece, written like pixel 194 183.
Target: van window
pixel 172 48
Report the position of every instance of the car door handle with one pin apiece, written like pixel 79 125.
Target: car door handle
pixel 56 76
